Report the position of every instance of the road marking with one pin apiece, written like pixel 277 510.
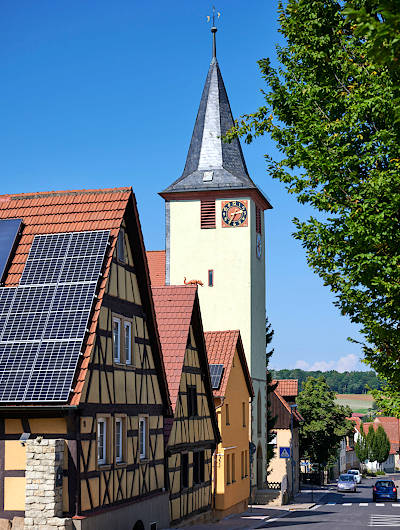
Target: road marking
pixel 395 504
pixel 384 520
pixel 331 503
pixel 315 507
pixel 347 504
pixel 380 504
pixel 363 503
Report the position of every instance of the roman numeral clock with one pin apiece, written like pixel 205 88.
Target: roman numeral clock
pixel 234 213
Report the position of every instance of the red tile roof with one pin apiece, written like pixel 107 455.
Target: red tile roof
pixel 221 347
pixel 76 211
pixel 392 428
pixel 174 308
pixel 287 387
pixel 156 261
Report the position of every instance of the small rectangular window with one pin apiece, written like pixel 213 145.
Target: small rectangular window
pixel 121 245
pixel 244 414
pixel 233 456
pixel 196 468
pixel 128 342
pixel 211 278
pixel 246 460
pixel 101 441
pixel 227 414
pixel 207 214
pixel 192 401
pixel 185 470
pixel 242 464
pixel 228 469
pixel 118 440
pixel 202 466
pixel 143 436
pixel 117 339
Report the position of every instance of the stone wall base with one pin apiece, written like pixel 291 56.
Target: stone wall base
pixel 239 507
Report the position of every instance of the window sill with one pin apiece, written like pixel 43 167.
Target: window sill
pixel 121 464
pixel 104 467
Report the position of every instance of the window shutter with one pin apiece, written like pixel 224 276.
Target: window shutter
pixel 258 220
pixel 207 215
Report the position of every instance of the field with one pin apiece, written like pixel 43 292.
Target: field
pixel 357 402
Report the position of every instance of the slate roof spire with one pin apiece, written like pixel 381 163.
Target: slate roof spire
pixel 212 164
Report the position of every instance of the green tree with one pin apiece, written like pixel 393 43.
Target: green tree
pixel 361 447
pixel 331 109
pixel 325 422
pixel 381 448
pixel 371 443
pixel 271 420
pixel 387 401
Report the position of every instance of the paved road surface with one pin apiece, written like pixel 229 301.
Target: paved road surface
pixel 341 511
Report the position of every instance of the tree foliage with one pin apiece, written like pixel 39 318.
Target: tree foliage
pixel 361 447
pixel 342 383
pixel 271 420
pixel 331 109
pixel 387 401
pixel 325 422
pixel 381 447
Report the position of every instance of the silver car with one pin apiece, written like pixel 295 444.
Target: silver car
pixel 356 473
pixel 347 482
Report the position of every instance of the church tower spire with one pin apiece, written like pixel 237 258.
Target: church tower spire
pixel 212 164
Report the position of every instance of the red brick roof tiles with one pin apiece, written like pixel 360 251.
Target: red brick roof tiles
pixel 392 428
pixel 287 387
pixel 66 211
pixel 156 262
pixel 221 347
pixel 174 308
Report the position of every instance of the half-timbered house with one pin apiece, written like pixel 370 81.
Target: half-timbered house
pixel 192 435
pixel 80 361
pixel 233 393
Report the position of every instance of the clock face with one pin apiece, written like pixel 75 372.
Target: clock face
pixel 234 213
pixel 258 246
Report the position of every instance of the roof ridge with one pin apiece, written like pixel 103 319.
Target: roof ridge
pixel 40 194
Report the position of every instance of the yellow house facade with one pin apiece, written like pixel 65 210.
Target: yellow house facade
pixel 233 393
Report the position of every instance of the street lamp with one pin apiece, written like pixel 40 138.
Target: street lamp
pixel 292 409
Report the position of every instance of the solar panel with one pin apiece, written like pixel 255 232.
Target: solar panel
pixel 216 371
pixel 9 229
pixel 43 321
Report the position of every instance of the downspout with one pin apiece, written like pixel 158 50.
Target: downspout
pixel 215 460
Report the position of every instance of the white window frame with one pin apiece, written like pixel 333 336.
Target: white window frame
pixel 143 437
pixel 128 352
pixel 117 351
pixel 119 433
pixel 102 460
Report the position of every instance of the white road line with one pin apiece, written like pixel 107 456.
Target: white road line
pixel 331 503
pixel 395 504
pixel 363 503
pixel 315 507
pixel 347 504
pixel 379 504
pixel 384 520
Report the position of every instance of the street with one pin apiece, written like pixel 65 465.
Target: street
pixel 337 511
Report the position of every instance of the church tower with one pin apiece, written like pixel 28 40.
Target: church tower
pixel 215 233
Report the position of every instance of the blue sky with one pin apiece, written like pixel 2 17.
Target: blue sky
pixel 104 94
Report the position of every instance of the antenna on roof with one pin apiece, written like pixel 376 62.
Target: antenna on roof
pixel 214 30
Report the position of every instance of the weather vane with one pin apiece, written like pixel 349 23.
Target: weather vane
pixel 214 30
pixel 213 16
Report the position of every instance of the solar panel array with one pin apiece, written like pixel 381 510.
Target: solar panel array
pixel 9 229
pixel 216 371
pixel 43 321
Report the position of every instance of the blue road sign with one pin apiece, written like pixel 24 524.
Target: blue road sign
pixel 284 452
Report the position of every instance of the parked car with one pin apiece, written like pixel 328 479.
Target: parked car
pixel 356 473
pixel 384 490
pixel 347 482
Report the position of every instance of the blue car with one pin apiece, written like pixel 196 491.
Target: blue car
pixel 384 490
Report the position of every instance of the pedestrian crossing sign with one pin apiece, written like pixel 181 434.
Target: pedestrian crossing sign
pixel 284 452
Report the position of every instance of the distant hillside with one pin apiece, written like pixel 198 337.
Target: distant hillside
pixel 342 383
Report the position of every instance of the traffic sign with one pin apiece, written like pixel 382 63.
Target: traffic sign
pixel 284 452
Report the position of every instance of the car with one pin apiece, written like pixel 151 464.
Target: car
pixel 356 473
pixel 347 482
pixel 384 490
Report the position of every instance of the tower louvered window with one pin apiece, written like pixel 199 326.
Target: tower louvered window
pixel 258 220
pixel 207 214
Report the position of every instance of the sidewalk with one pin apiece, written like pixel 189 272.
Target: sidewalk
pixel 256 515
